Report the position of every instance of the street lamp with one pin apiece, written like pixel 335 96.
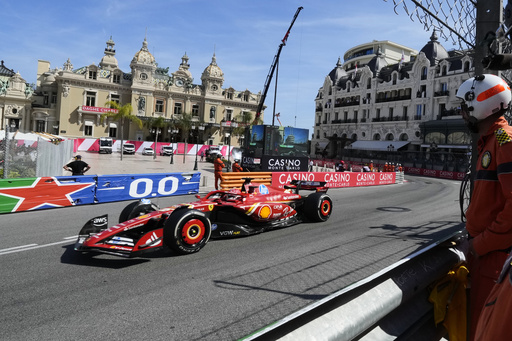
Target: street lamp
pixel 173 131
pixel 155 131
pixel 201 128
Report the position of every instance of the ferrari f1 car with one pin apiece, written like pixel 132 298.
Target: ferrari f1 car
pixel 186 228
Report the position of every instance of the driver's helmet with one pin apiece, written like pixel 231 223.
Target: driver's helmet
pixel 483 96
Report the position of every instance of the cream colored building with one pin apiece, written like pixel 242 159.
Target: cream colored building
pixel 70 101
pixel 15 99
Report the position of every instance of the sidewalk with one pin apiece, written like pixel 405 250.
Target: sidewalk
pixel 102 164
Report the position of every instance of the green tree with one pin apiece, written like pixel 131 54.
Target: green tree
pixel 244 120
pixel 123 114
pixel 159 124
pixel 184 124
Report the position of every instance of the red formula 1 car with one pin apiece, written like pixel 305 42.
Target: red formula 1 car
pixel 186 228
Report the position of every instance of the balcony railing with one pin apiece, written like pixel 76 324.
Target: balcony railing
pixel 441 93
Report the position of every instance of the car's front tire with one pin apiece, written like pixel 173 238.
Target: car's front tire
pixel 136 209
pixel 187 231
pixel 318 207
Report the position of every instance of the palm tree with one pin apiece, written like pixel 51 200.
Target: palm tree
pixel 184 124
pixel 123 113
pixel 158 124
pixel 244 120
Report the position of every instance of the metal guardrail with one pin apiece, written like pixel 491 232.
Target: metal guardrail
pixel 388 305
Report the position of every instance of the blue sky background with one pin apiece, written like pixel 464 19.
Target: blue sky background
pixel 245 36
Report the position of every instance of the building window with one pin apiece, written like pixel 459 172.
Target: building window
pixel 377 114
pixel 115 98
pixel 390 114
pixel 466 66
pixel 112 132
pixel 116 78
pixel 419 110
pixel 404 114
pixel 92 74
pixel 229 115
pixel 88 128
pixel 54 98
pixel 246 97
pixel 178 108
pixel 195 109
pixel 229 95
pixel 424 73
pixel 159 106
pixel 46 98
pixel 40 126
pixel 90 99
pixel 369 83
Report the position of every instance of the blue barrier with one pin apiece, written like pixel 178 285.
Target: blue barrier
pixel 17 195
pixel 137 186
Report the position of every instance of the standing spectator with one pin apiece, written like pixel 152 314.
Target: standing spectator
pixel 485 99
pixel 340 167
pixel 202 155
pixel 77 167
pixel 310 165
pixel 236 167
pixel 218 166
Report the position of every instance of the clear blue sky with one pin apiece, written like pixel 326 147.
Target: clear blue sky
pixel 245 36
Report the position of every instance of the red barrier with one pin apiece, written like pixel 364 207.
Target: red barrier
pixel 336 179
pixel 435 173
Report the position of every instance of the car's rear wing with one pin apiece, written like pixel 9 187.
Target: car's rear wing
pixel 318 186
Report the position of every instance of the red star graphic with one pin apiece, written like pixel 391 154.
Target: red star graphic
pixel 44 191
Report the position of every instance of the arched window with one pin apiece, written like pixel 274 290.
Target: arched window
pixel 424 73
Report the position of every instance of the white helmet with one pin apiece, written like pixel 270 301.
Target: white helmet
pixel 483 96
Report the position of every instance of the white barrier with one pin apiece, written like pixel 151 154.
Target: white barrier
pixel 388 305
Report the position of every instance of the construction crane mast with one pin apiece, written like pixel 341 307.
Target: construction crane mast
pixel 273 67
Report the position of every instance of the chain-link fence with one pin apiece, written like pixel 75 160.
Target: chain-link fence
pixel 454 20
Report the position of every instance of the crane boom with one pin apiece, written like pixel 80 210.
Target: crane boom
pixel 273 67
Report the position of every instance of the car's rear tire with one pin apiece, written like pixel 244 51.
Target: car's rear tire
pixel 318 207
pixel 187 231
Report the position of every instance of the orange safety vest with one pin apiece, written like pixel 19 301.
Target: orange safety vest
pixel 237 168
pixel 219 165
pixel 490 211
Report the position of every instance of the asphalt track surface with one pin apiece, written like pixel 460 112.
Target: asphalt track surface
pixel 224 292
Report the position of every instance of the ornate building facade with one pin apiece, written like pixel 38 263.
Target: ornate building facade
pixel 15 99
pixel 70 101
pixel 387 96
